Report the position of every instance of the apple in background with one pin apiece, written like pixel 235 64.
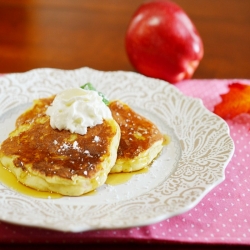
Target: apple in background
pixel 162 42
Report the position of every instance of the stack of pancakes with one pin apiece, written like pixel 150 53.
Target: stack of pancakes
pixel 71 164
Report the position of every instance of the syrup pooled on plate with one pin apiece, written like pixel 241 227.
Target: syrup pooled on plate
pixel 9 180
pixel 120 178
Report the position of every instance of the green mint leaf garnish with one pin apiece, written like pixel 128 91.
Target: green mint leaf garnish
pixel 89 86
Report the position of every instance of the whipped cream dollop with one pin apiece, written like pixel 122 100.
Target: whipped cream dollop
pixel 77 109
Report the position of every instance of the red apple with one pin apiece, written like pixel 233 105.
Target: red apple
pixel 162 42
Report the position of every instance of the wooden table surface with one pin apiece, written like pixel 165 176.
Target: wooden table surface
pixel 70 34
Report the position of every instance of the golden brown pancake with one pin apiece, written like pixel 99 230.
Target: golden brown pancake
pixel 60 161
pixel 141 141
pixel 71 164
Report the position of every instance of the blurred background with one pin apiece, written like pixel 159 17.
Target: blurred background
pixel 69 34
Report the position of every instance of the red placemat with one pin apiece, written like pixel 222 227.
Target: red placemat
pixel 222 216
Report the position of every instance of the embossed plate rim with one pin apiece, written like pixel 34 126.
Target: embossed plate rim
pixel 177 110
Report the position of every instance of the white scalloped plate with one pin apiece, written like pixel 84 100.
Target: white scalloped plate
pixel 188 168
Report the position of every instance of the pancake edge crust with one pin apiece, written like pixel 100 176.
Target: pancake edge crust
pixel 144 159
